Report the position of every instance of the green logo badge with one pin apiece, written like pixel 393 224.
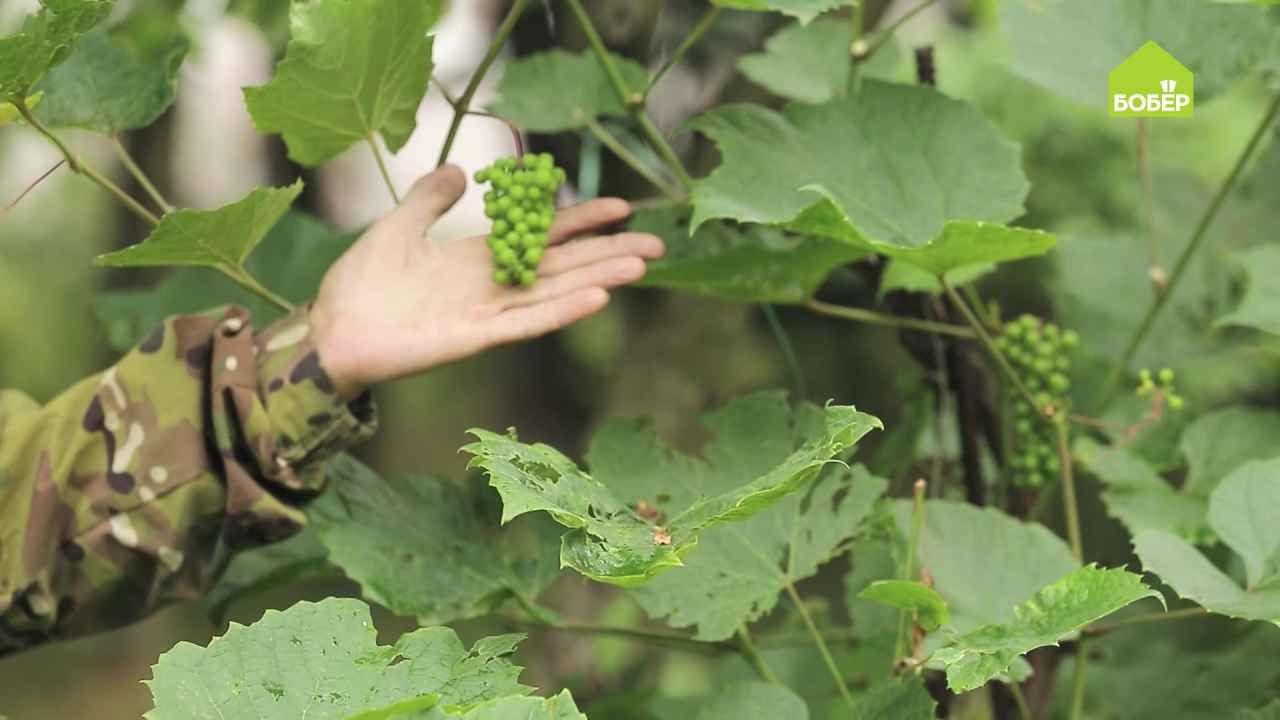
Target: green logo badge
pixel 1152 83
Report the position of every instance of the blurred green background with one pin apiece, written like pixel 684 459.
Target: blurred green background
pixel 651 353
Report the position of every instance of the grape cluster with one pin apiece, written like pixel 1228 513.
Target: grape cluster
pixel 1040 354
pixel 522 206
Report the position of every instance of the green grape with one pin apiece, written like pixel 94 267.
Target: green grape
pixel 1038 353
pixel 521 203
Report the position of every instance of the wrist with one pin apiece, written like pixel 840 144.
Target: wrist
pixel 332 353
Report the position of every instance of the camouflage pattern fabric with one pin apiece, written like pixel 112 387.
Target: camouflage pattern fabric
pixel 132 489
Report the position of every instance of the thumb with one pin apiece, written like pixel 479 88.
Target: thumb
pixel 431 196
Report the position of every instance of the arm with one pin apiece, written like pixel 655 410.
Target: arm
pixel 132 488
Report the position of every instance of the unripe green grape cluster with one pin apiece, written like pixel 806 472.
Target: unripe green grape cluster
pixel 1040 353
pixel 521 203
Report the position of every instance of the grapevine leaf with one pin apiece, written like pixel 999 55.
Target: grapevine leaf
pixel 899 698
pixel 899 275
pixel 1055 612
pixel 299 558
pixel 810 63
pixel 802 10
pixel 45 40
pixel 578 83
pixel 560 707
pixel 611 541
pixel 1138 497
pixel 983 562
pixel 1071 48
pixel 321 660
pixel 753 701
pixel 929 607
pixel 1241 512
pixel 746 263
pixel 1221 441
pixel 738 570
pixel 353 69
pixel 420 547
pixel 220 238
pixel 1260 306
pixel 1270 711
pixel 916 182
pixel 292 260
pixel 109 87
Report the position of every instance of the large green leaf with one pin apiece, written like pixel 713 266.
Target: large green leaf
pixel 108 86
pixel 1241 512
pixel 424 547
pixel 45 40
pixel 292 260
pixel 1221 441
pixel 900 698
pixel 745 471
pixel 804 10
pixel 271 567
pixel 928 606
pixel 1054 613
pixel 739 569
pixel 1260 306
pixel 221 238
pixel 354 69
pixel 576 81
pixel 746 263
pixel 1071 47
pixel 811 63
pixel 924 178
pixel 1138 497
pixel 321 660
pixel 983 562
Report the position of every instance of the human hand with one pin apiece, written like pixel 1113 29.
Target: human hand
pixel 398 303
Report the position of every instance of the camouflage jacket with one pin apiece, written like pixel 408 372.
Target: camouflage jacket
pixel 132 488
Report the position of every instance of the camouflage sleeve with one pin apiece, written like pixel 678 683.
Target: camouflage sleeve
pixel 131 489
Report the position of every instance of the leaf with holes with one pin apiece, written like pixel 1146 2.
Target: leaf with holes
pixel 578 83
pixel 354 69
pixel 221 238
pixel 321 660
pixel 425 547
pixel 614 538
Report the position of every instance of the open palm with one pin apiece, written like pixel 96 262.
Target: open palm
pixel 398 302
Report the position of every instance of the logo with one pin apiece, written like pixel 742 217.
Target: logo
pixel 1152 83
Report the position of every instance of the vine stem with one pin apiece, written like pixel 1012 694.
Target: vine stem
pixel 632 101
pixel 1078 680
pixel 31 188
pixel 629 158
pixel 382 167
pixel 821 644
pixel 909 571
pixel 1020 699
pixel 992 348
pixel 1070 506
pixel 79 167
pixel 787 349
pixel 1148 214
pixel 463 104
pixel 704 25
pixel 241 277
pixel 1112 385
pixel 875 318
pixel 132 166
pixel 887 33
pixel 751 653
pixel 1182 614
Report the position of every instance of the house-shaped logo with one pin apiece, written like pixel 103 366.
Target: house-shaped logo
pixel 1152 83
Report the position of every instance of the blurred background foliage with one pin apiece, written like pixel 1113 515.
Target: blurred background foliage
pixel 652 352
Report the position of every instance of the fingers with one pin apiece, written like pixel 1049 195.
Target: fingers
pixel 431 196
pixel 571 255
pixel 609 273
pixel 586 217
pixel 530 322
